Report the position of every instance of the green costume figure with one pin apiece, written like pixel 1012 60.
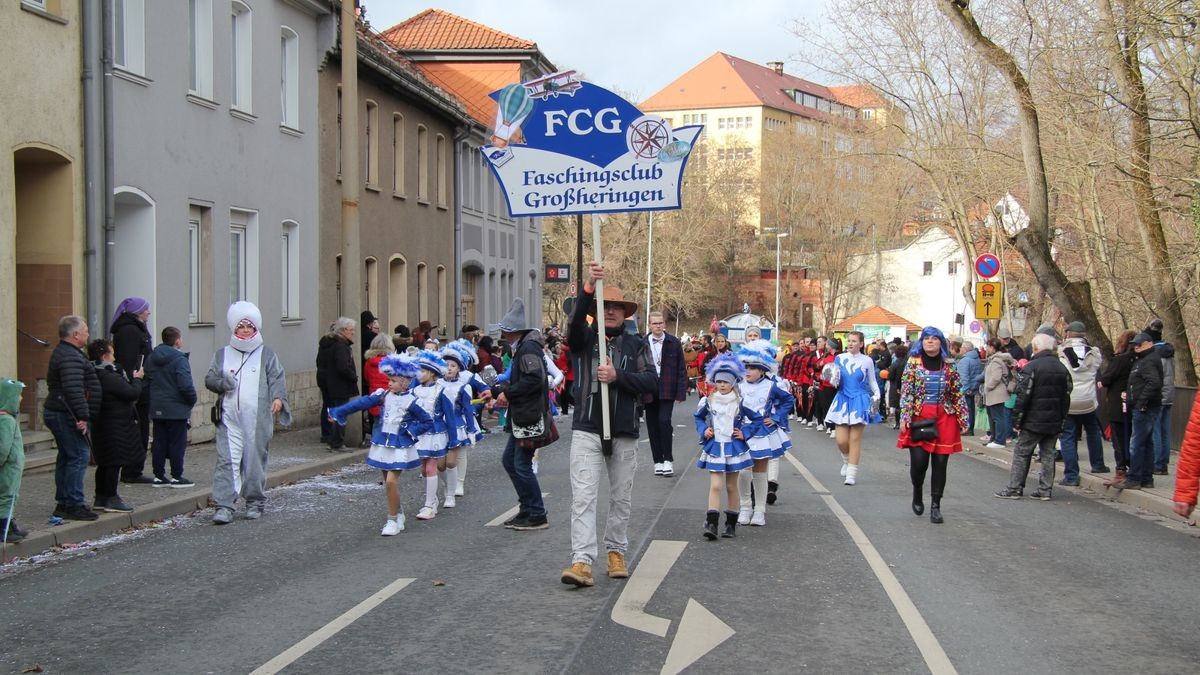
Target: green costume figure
pixel 12 458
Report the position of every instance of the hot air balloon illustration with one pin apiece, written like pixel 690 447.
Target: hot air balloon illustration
pixel 513 106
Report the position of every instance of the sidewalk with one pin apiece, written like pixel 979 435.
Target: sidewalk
pixel 295 455
pixel 1158 499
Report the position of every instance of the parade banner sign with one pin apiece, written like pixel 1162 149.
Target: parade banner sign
pixel 561 145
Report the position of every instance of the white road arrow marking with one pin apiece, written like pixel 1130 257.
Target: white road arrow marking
pixel 630 610
pixel 699 633
pixel 499 520
pixel 330 629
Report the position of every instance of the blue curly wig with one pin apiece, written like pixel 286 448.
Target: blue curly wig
pixel 398 365
pixel 460 353
pixel 917 349
pixel 758 353
pixel 432 361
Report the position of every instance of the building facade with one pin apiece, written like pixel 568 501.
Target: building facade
pixel 499 257
pixel 407 134
pixel 42 233
pixel 215 160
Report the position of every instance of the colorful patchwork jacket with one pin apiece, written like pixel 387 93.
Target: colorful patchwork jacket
pixel 912 393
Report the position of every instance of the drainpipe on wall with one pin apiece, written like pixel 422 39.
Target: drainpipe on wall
pixel 93 163
pixel 460 146
pixel 109 154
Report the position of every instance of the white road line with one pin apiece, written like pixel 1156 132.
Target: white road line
pixel 700 632
pixel 330 629
pixel 630 609
pixel 499 520
pixel 935 657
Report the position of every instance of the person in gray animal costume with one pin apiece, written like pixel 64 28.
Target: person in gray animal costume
pixel 250 381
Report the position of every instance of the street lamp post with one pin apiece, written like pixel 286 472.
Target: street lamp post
pixel 778 238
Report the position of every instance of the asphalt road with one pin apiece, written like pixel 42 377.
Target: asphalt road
pixel 841 579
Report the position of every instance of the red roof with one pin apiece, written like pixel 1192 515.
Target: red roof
pixel 472 83
pixel 724 81
pixel 441 30
pixel 876 316
pixel 857 96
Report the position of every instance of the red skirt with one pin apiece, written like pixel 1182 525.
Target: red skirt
pixel 949 440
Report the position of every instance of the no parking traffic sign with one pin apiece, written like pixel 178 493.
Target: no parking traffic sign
pixel 987 265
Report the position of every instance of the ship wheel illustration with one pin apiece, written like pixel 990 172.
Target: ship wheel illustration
pixel 647 135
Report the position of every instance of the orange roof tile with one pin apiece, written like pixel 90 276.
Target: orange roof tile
pixel 857 96
pixel 441 30
pixel 472 83
pixel 875 315
pixel 724 81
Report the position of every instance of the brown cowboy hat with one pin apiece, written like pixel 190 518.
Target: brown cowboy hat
pixel 614 295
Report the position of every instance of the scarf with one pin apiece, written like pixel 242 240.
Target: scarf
pixel 723 410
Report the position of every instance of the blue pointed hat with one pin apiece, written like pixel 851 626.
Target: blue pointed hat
pixel 758 353
pixel 431 361
pixel 727 365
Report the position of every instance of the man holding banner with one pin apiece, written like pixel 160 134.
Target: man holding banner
pixel 628 376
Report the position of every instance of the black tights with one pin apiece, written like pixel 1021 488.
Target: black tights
pixel 919 460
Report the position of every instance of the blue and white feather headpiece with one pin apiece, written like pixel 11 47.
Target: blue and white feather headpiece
pixel 758 353
pixel 432 361
pixel 461 352
pixel 726 365
pixel 398 365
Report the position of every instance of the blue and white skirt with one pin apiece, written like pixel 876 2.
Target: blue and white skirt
pixel 724 457
pixel 393 459
pixel 432 446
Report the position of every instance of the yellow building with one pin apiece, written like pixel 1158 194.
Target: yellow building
pixel 750 110
pixel 41 182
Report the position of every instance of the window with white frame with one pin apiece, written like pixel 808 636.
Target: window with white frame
pixel 398 154
pixel 243 255
pixel 440 159
pixel 200 43
pixel 241 57
pixel 290 269
pixel 199 262
pixel 422 292
pixel 422 165
pixel 289 78
pixel 129 35
pixel 371 160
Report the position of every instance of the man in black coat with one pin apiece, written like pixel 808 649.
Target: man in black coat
pixel 630 376
pixel 337 378
pixel 1043 401
pixel 1144 398
pixel 667 353
pixel 72 402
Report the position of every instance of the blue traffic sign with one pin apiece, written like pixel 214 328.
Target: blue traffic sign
pixel 987 265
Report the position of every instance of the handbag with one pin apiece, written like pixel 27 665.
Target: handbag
pixel 923 430
pixel 216 413
pixel 547 433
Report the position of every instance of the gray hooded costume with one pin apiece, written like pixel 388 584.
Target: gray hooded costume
pixel 248 376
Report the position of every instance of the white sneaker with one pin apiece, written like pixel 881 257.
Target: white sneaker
pixel 851 475
pixel 744 516
pixel 448 503
pixel 460 490
pixel 391 529
pixel 758 519
pixel 843 471
pixel 534 467
pixel 426 513
pixel 812 423
pixel 850 480
pixel 668 469
pixel 995 446
pixel 821 427
pixel 831 433
pixel 792 418
pixel 658 468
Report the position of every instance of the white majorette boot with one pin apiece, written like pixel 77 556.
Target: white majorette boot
pixel 851 474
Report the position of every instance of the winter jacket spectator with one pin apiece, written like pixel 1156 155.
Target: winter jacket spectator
pixel 373 379
pixel 1084 361
pixel 72 383
pixel 131 342
pixel 336 374
pixel 1043 395
pixel 999 378
pixel 970 370
pixel 172 392
pixel 895 373
pixel 116 437
pixel 1187 471
pixel 1145 380
pixel 1115 380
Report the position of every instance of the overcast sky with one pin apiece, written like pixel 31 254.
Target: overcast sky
pixel 635 46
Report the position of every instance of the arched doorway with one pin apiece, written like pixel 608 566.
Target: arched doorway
pixel 133 252
pixel 45 250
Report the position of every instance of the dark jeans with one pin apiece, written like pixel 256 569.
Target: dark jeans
pixel 337 434
pixel 1141 445
pixel 1162 439
pixel 659 429
pixel 970 401
pixel 170 442
pixel 998 421
pixel 72 460
pixel 107 478
pixel 1089 423
pixel 824 400
pixel 518 462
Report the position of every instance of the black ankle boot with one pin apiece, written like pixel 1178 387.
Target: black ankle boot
pixel 772 488
pixel 730 525
pixel 918 503
pixel 935 513
pixel 711 519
